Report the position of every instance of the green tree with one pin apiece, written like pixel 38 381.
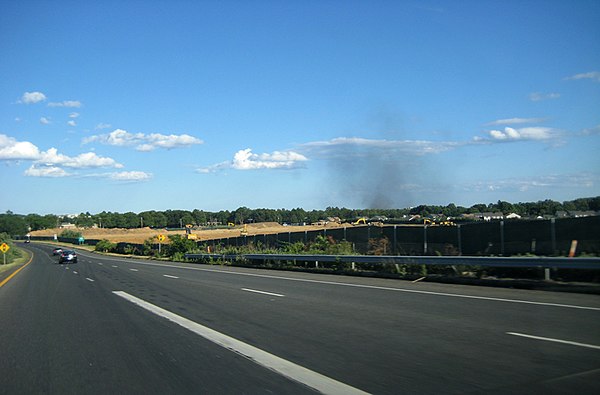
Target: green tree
pixel 70 234
pixel 128 220
pixel 200 217
pixel 38 222
pixel 241 215
pixel 13 224
pixel 85 220
pixel 179 244
pixel 105 246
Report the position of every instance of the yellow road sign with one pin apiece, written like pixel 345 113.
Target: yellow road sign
pixel 161 237
pixel 4 247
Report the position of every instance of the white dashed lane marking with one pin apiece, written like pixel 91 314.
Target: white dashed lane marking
pixel 262 292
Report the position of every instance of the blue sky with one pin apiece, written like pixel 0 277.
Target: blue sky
pixel 154 105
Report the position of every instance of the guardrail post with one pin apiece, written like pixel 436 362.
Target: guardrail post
pixel 425 240
pixel 502 238
pixel 459 239
pixel 547 274
pixel 395 245
pixel 553 235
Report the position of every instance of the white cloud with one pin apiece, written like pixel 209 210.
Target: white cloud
pixel 592 75
pixel 72 123
pixel 357 146
pixel 32 97
pixel 117 137
pixel 45 121
pixel 531 133
pixel 11 149
pixel 49 163
pixel 144 142
pixel 515 121
pixel 45 171
pixel 74 115
pixel 66 103
pixel 538 96
pixel 85 160
pixel 131 176
pixel 102 125
pixel 551 181
pixel 347 148
pixel 172 141
pixel 591 131
pixel 246 160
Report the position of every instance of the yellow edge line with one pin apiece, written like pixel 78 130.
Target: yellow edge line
pixel 16 271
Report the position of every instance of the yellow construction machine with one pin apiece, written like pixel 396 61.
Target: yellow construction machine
pixel 188 233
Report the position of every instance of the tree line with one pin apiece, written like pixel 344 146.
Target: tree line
pixel 18 224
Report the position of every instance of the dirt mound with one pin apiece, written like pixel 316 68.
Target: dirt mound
pixel 139 235
pixel 263 225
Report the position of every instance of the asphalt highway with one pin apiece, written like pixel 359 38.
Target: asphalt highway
pixel 120 325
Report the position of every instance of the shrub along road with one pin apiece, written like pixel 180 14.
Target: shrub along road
pixel 109 324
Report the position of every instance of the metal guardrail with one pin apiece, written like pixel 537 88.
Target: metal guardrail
pixel 522 262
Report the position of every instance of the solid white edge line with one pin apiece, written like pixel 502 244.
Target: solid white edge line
pixel 169 276
pixel 549 339
pixel 262 292
pixel 279 365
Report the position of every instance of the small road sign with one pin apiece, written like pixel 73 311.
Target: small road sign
pixel 161 237
pixel 4 247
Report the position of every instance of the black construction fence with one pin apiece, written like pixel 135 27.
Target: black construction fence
pixel 553 237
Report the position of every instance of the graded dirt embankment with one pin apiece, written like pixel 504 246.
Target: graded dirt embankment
pixel 139 235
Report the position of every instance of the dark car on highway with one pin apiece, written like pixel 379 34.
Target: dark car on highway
pixel 67 256
pixel 56 251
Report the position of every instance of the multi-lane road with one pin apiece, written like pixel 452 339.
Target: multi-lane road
pixel 118 325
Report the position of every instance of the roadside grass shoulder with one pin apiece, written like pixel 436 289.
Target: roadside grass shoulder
pixel 23 257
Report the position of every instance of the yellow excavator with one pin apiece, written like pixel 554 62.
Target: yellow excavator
pixel 359 221
pixel 188 233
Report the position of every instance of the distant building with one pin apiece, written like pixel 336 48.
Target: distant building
pixel 492 216
pixel 561 214
pixel 581 214
pixel 575 214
